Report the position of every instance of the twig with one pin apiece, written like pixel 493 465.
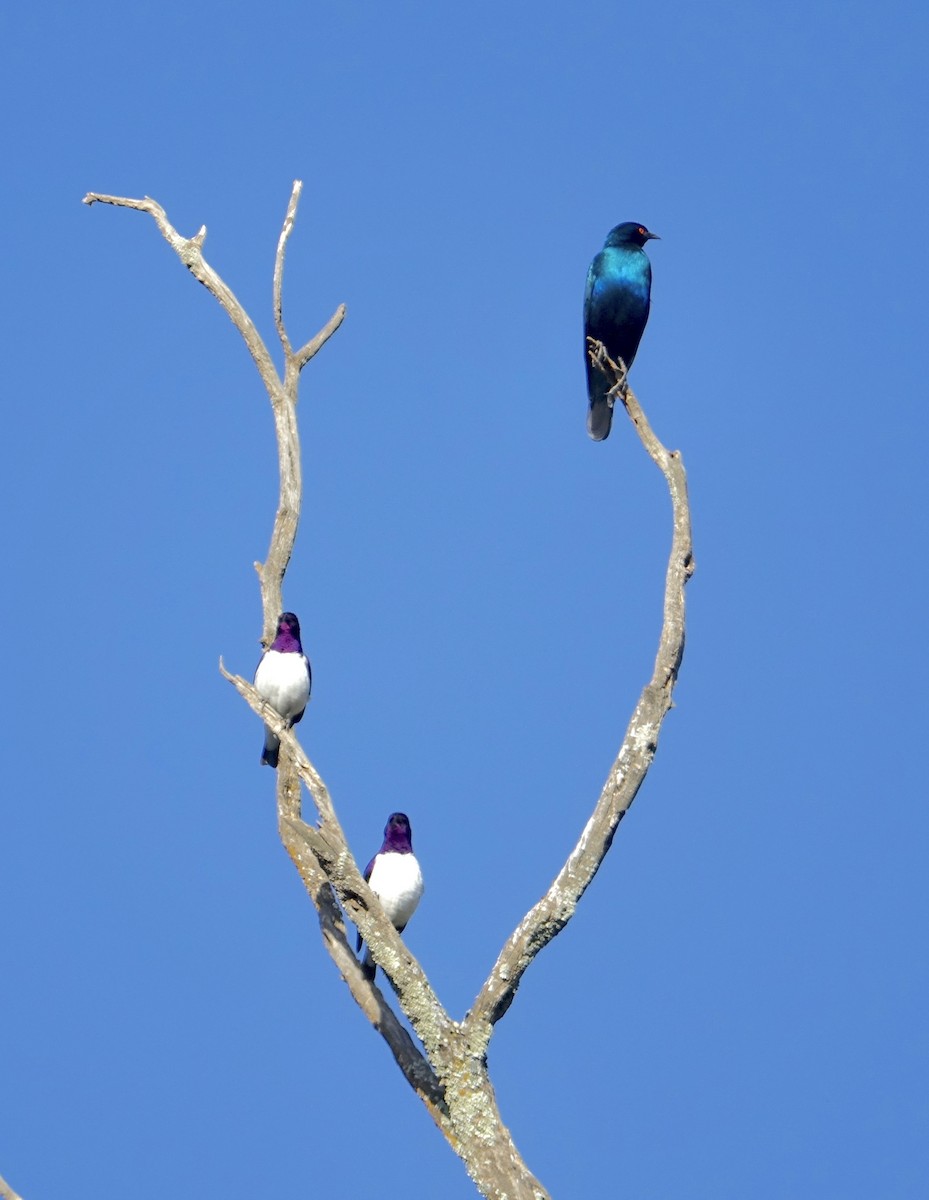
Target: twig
pixel 286 230
pixel 190 252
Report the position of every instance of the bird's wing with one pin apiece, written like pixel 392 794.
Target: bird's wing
pixel 589 289
pixel 309 688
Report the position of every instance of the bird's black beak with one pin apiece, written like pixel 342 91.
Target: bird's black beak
pixel 654 237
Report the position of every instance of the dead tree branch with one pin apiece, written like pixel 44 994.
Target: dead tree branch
pixel 281 392
pixel 557 906
pixel 6 1192
pixel 450 1072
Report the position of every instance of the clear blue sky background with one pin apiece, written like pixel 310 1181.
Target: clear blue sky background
pixel 740 1007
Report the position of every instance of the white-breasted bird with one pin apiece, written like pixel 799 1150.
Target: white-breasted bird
pixel 394 876
pixel 283 678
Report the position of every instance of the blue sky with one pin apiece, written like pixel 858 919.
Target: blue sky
pixel 739 1007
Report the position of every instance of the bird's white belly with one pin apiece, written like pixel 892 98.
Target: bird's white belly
pixel 398 883
pixel 283 681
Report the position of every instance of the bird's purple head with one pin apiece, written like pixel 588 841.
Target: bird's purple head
pixel 398 837
pixel 287 638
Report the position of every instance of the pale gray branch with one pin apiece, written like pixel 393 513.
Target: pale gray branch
pixel 412 1063
pixel 299 359
pixel 316 343
pixel 6 1192
pixel 450 1076
pixel 328 850
pixel 190 252
pixel 281 392
pixel 550 915
pixel 417 999
pixel 451 1079
pixel 286 231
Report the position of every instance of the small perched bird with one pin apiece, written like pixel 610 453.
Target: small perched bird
pixel 616 304
pixel 283 678
pixel 394 876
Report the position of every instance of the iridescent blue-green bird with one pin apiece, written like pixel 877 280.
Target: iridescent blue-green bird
pixel 616 303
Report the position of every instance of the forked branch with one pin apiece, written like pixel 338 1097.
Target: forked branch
pixel 282 392
pixel 449 1073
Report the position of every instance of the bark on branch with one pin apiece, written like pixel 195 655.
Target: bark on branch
pixel 449 1072
pixel 6 1192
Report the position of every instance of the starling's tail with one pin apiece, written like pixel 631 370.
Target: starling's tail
pixel 271 748
pixel 599 415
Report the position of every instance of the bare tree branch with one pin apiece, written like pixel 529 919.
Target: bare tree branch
pixel 315 344
pixel 299 360
pixel 6 1192
pixel 412 1063
pixel 282 393
pixel 286 231
pixel 452 1079
pixel 550 915
pixel 190 252
pixel 450 1073
pixel 415 1066
pixel 327 851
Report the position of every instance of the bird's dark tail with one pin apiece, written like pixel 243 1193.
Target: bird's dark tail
pixel 271 749
pixel 600 413
pixel 368 965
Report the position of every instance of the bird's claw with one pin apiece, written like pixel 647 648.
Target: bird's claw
pixel 602 360
pixel 598 354
pixel 619 387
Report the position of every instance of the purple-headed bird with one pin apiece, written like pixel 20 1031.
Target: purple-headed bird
pixel 283 679
pixel 394 876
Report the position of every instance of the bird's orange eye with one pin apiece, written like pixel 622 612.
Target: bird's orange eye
pixel 642 230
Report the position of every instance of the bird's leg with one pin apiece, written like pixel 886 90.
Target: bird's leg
pixel 598 355
pixel 602 361
pixel 619 387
